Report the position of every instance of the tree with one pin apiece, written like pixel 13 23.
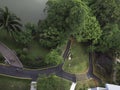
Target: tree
pixel 106 11
pixel 64 17
pixel 34 30
pixel 50 37
pixel 24 37
pixel 53 58
pixel 9 21
pixel 109 40
pixel 90 31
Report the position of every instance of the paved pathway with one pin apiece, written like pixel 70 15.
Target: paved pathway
pixel 10 56
pixel 33 85
pixel 33 74
pixel 73 86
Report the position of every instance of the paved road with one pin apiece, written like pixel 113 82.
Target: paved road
pixel 33 74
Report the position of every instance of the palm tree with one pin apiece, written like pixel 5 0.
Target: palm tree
pixel 9 21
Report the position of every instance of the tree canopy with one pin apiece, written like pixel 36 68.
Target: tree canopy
pixel 9 21
pixel 24 37
pixel 53 58
pixel 110 39
pixel 106 11
pixel 90 31
pixel 65 18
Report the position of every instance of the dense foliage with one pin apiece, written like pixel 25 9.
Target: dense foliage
pixel 90 32
pixel 65 18
pixel 106 11
pixel 53 58
pixel 24 37
pixel 110 39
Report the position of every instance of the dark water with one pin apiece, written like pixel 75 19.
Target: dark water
pixel 27 10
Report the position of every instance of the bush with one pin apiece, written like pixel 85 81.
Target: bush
pixel 24 37
pixel 53 58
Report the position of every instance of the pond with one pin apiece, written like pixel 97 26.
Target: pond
pixel 27 10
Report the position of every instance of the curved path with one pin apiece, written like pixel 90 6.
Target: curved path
pixel 16 70
pixel 33 74
pixel 10 56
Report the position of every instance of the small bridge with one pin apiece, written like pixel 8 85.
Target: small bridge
pixel 10 56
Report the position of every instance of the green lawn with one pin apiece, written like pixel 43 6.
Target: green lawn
pixel 53 82
pixel 9 83
pixel 79 61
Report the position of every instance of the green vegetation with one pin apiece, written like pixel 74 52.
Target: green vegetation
pixel 9 83
pixel 53 58
pixel 94 24
pixel 109 41
pixel 79 61
pixel 53 83
pixel 70 18
pixel 89 32
pixel 106 11
pixel 32 56
pixel 117 66
pixel 24 37
pixel 103 67
pixel 9 21
pixel 84 85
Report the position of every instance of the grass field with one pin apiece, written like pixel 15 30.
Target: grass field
pixel 79 61
pixel 9 83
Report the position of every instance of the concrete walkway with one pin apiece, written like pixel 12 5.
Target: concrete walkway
pixel 10 56
pixel 73 86
pixel 33 85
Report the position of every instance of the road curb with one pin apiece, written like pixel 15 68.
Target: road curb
pixel 16 77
